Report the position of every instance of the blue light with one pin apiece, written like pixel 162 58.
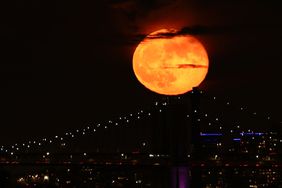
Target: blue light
pixel 236 139
pixel 251 134
pixel 210 134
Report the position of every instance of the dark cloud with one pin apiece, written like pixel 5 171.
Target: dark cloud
pixel 193 30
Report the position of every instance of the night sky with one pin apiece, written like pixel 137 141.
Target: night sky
pixel 65 64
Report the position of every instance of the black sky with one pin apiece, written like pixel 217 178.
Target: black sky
pixel 64 64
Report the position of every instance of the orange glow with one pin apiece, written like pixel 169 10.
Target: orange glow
pixel 170 65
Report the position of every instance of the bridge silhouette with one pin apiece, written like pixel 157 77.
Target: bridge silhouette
pixel 185 134
pixel 146 127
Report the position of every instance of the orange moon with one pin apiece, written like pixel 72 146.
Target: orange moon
pixel 168 64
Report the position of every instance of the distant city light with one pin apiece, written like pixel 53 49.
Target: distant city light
pixel 46 178
pixel 211 134
pixel 251 134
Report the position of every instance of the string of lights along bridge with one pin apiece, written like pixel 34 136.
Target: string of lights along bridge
pixel 214 121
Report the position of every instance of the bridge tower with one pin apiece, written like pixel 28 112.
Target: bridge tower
pixel 195 141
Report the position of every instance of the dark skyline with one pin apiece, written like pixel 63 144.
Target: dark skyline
pixel 66 64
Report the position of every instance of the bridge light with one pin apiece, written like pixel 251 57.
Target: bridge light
pixel 46 178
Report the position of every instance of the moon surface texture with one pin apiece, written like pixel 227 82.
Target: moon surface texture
pixel 170 64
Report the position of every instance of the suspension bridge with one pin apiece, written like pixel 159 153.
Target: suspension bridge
pixel 195 130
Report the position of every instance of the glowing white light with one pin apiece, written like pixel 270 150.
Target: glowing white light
pixel 138 181
pixel 46 178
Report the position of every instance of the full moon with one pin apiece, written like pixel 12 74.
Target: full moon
pixel 170 64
